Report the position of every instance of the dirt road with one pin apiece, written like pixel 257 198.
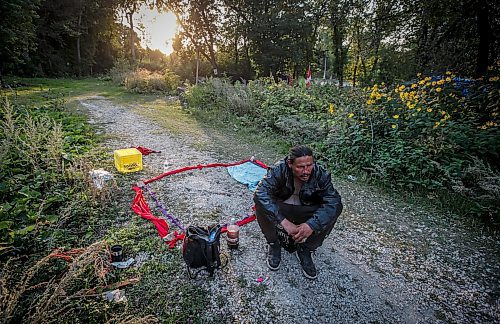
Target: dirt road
pixel 385 261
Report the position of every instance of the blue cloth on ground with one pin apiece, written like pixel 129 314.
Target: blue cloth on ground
pixel 247 173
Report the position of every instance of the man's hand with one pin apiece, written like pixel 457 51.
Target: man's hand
pixel 289 227
pixel 303 232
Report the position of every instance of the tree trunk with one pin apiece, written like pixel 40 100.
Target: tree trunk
pixel 375 61
pixel 78 51
pixel 363 67
pixel 422 44
pixel 337 53
pixel 236 55
pixel 483 29
pixel 132 40
pixel 355 72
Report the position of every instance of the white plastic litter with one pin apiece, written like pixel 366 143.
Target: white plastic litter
pixel 123 264
pixel 117 296
pixel 99 177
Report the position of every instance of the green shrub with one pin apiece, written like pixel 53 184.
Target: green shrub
pixel 120 70
pixel 424 135
pixel 220 95
pixel 172 80
pixel 143 81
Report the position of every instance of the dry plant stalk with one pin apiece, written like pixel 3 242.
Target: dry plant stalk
pixel 8 129
pixel 10 299
pixel 55 300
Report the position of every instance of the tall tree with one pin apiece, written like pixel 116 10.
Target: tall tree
pixel 200 22
pixel 70 33
pixel 454 35
pixel 280 33
pixel 17 32
pixel 130 8
pixel 337 14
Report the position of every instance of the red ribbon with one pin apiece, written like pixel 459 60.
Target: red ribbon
pixel 141 208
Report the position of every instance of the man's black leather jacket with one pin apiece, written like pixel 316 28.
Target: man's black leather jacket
pixel 278 185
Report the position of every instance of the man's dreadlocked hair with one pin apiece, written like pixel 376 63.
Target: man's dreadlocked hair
pixel 299 151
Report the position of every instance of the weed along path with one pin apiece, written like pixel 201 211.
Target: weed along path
pixel 385 261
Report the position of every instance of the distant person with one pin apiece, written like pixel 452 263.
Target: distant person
pixel 296 201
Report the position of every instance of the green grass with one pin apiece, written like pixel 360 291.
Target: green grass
pixel 169 115
pixel 69 88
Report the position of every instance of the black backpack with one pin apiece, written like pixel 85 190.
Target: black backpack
pixel 201 248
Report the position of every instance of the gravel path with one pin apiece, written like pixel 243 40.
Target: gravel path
pixel 385 261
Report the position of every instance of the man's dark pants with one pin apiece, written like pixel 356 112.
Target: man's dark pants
pixel 297 215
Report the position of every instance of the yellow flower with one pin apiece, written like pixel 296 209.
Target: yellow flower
pixel 402 87
pixel 419 74
pixel 433 83
pixel 331 108
pixel 421 82
pixel 395 116
pixel 436 125
pixel 448 72
pixel 413 86
pixel 493 79
pixel 389 98
pixel 429 109
pixel 418 109
pixel 438 89
pixel 442 112
pixel 448 79
pixel 369 102
pixel 394 126
pixel 350 115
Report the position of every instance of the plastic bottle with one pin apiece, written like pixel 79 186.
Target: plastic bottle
pixel 233 235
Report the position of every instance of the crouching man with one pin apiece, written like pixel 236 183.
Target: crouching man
pixel 297 198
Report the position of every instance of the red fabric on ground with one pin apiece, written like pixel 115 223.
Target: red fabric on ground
pixel 145 150
pixel 141 208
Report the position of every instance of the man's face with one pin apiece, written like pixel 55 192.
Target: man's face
pixel 302 167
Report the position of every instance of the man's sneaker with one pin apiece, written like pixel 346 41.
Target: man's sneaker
pixel 305 257
pixel 274 256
